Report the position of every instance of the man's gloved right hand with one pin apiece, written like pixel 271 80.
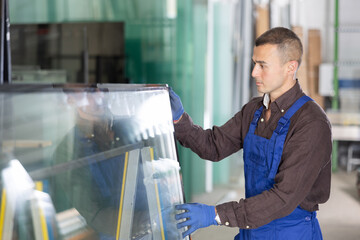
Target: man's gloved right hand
pixel 177 108
pixel 196 216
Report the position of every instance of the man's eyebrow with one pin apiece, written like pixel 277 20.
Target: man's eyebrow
pixel 260 62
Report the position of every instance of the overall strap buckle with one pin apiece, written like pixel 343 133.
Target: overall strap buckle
pixel 281 124
pixel 257 116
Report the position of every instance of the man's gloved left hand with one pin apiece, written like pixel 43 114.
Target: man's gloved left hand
pixel 196 216
pixel 177 108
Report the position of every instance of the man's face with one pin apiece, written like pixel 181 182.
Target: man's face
pixel 269 71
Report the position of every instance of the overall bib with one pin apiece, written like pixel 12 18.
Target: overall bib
pixel 261 161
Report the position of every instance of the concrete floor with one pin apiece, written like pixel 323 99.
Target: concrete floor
pixel 339 218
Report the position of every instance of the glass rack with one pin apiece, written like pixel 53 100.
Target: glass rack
pixel 88 162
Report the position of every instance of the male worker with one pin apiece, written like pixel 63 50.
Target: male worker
pixel 286 139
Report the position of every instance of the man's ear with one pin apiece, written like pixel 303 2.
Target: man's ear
pixel 292 66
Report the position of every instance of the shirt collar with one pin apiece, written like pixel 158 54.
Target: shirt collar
pixel 286 100
pixel 266 100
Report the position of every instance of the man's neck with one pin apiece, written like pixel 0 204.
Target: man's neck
pixel 286 87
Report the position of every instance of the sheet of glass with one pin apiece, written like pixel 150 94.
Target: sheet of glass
pixel 88 162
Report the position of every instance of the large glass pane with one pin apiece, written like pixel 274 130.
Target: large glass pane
pixel 90 162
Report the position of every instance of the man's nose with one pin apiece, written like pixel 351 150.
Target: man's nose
pixel 255 71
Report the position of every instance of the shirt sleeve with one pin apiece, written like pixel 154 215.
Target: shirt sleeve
pixel 211 144
pixel 306 159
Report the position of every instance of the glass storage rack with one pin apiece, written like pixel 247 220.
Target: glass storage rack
pixel 88 162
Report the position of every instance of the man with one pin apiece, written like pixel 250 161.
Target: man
pixel 287 145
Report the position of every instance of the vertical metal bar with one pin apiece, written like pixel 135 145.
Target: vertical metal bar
pixel 128 192
pixel 2 43
pixel 209 88
pixel 152 194
pixel 5 62
pixel 7 51
pixel 2 212
pixel 85 56
pixel 335 100
pixel 247 23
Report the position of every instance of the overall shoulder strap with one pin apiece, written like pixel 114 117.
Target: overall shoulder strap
pixel 296 106
pixel 292 110
pixel 255 119
pixel 280 133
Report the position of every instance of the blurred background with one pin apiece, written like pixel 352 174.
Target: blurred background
pixel 203 49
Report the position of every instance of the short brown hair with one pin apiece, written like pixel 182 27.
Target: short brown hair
pixel 288 43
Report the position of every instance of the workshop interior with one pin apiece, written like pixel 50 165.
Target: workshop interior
pixel 87 146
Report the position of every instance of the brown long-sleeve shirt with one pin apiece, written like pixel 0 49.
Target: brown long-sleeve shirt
pixel 304 173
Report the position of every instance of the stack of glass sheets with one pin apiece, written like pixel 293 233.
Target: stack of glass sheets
pixel 88 162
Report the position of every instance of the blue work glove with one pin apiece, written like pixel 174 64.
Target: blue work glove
pixel 196 215
pixel 177 108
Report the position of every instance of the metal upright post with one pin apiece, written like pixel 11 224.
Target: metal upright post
pixel 152 193
pixel 335 100
pixel 128 191
pixel 5 54
pixel 2 5
pixel 85 56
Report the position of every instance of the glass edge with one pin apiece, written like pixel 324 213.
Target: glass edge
pixel 28 88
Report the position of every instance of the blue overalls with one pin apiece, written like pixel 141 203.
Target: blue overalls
pixel 261 161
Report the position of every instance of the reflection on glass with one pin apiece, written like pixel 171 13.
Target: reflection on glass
pixel 99 162
pixel 92 52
